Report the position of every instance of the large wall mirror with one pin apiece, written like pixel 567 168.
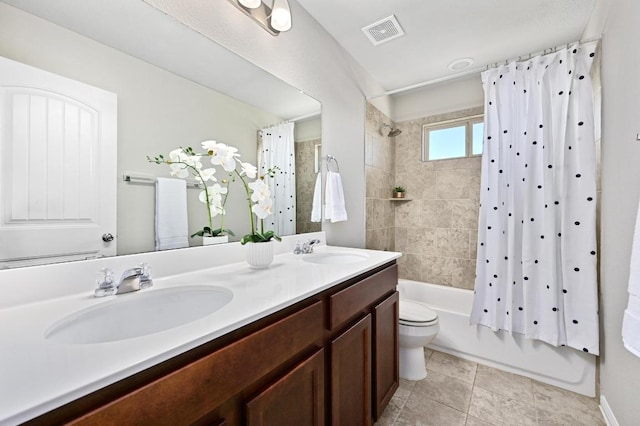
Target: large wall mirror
pixel 174 88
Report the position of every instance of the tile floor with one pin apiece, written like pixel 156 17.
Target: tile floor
pixel 461 392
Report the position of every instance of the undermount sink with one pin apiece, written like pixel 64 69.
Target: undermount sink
pixel 139 314
pixel 335 258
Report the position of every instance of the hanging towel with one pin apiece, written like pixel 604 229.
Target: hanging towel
pixel 334 209
pixel 631 320
pixel 171 214
pixel 316 208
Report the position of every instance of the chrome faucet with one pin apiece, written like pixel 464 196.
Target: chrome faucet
pixel 306 247
pixel 133 279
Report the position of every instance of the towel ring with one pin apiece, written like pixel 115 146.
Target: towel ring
pixel 332 159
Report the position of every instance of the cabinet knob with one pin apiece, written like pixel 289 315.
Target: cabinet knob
pixel 107 237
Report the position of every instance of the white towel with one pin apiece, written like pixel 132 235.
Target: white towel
pixel 172 230
pixel 316 207
pixel 334 209
pixel 631 320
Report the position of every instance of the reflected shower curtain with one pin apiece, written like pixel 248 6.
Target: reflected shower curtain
pixel 278 150
pixel 536 263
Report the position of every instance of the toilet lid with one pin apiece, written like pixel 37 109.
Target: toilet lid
pixel 416 313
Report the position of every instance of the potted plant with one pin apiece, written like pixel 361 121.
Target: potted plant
pixel 184 162
pixel 398 192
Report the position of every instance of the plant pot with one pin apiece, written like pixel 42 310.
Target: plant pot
pixel 398 195
pixel 221 239
pixel 259 255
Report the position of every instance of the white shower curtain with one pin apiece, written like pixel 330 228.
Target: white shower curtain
pixel 536 263
pixel 278 150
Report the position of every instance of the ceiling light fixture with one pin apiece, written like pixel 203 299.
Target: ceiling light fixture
pixel 281 15
pixel 251 4
pixel 460 64
pixel 274 19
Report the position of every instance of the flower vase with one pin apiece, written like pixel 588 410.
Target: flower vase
pixel 259 255
pixel 221 239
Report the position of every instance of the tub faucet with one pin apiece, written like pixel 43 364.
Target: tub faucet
pixel 306 247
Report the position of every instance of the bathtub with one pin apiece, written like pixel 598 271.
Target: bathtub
pixel 562 367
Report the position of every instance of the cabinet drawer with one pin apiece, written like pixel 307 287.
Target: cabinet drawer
pixel 349 302
pixel 191 392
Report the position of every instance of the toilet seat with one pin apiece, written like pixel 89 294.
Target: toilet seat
pixel 416 314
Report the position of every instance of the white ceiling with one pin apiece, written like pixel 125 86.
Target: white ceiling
pixel 438 32
pixel 144 32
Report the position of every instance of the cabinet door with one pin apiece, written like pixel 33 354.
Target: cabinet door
pixel 297 399
pixel 351 375
pixel 385 343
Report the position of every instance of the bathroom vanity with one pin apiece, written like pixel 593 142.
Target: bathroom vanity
pixel 324 352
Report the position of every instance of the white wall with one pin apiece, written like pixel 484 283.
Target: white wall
pixel 308 130
pixel 449 96
pixel 157 112
pixel 620 370
pixel 311 60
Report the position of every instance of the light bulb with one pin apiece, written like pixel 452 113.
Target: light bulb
pixel 281 15
pixel 251 4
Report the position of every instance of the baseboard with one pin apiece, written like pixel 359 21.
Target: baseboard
pixel 607 413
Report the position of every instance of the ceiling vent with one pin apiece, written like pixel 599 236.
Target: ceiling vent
pixel 384 30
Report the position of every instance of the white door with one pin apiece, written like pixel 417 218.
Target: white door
pixel 58 141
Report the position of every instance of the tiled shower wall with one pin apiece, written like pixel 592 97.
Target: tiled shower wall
pixel 380 171
pixel 305 185
pixel 436 230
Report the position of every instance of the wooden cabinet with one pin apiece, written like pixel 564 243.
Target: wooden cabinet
pixel 385 350
pixel 330 359
pixel 351 375
pixel 297 399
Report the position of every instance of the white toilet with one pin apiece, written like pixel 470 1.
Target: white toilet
pixel 418 327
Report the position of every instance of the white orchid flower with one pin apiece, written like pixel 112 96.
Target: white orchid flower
pixel 260 190
pixel 180 162
pixel 207 175
pixel 215 199
pixel 179 170
pixel 209 146
pixel 221 154
pixel 263 208
pixel 218 189
pixel 249 169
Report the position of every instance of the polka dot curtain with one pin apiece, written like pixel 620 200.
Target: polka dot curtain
pixel 536 264
pixel 278 150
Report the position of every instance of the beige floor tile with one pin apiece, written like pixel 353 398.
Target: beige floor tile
pixel 503 383
pixel 452 366
pixel 446 390
pixel 500 410
pixel 583 418
pixel 427 354
pixel 407 385
pixel 555 400
pixel 474 421
pixel 396 404
pixel 422 411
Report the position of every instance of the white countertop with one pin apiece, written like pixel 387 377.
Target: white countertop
pixel 38 375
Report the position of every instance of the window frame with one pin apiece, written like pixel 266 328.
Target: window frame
pixel 467 122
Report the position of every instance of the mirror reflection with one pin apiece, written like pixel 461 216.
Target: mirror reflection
pixel 157 112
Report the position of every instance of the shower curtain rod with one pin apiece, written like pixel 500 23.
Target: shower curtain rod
pixel 293 120
pixel 477 69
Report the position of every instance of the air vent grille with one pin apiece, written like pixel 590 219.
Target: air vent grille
pixel 384 30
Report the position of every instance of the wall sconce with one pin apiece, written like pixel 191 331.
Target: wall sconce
pixel 274 19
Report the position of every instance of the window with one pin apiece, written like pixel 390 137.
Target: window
pixel 452 139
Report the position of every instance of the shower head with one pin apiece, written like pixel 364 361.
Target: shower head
pixel 388 131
